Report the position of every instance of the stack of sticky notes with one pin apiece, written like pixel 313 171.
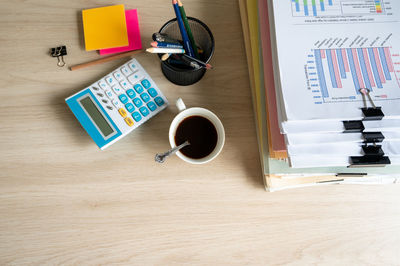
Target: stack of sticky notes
pixel 111 29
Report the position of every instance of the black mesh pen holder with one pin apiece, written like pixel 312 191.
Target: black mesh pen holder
pixel 181 74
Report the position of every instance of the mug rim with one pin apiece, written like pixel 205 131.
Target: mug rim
pixel 220 132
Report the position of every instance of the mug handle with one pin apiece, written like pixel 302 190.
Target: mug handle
pixel 180 105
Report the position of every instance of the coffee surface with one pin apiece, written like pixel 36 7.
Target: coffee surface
pixel 201 134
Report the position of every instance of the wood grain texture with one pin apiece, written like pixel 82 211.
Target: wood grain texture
pixel 62 201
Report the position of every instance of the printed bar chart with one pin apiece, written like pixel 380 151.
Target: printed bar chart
pixel 311 8
pixel 342 72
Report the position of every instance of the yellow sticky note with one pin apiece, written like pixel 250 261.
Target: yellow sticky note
pixel 105 27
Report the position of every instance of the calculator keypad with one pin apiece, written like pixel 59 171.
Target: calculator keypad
pixel 129 96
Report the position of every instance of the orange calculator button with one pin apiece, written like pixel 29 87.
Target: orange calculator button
pixel 129 121
pixel 122 112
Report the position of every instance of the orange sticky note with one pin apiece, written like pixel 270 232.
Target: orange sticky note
pixel 105 27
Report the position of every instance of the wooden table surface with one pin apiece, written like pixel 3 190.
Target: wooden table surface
pixel 63 201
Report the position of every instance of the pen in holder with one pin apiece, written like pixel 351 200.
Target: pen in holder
pixel 181 74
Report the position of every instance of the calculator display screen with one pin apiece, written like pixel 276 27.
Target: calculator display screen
pixel 96 116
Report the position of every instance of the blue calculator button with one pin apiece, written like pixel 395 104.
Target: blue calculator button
pixel 138 88
pixel 129 107
pixel 146 83
pixel 152 106
pixel 159 101
pixel 145 97
pixel 144 111
pixel 153 93
pixel 131 93
pixel 137 102
pixel 136 116
pixel 123 98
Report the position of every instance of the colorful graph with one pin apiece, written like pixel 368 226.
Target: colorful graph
pixel 341 73
pixel 301 8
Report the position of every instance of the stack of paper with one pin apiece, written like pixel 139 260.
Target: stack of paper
pixel 111 29
pixel 291 115
pixel 332 59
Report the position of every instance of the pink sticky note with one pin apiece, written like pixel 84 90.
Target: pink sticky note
pixel 132 26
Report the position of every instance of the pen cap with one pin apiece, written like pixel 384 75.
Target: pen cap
pixel 181 74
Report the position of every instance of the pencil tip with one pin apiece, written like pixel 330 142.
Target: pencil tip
pixel 174 2
pixel 180 3
pixel 149 49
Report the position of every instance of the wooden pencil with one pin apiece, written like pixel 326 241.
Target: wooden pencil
pixel 188 30
pixel 105 59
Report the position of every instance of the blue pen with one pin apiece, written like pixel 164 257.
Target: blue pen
pixel 165 45
pixel 185 37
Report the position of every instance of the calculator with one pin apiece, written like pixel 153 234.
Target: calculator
pixel 118 103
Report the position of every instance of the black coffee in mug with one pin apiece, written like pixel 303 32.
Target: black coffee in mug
pixel 201 134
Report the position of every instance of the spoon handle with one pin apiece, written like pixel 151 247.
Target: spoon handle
pixel 161 157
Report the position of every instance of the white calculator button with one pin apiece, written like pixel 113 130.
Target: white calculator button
pixel 132 66
pixel 124 83
pixel 95 88
pixel 111 81
pixel 101 95
pixel 117 89
pixel 126 71
pixel 104 101
pixel 116 103
pixel 109 107
pixel 110 94
pixel 103 85
pixel 134 78
pixel 118 75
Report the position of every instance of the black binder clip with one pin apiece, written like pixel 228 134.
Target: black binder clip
pixel 59 52
pixel 373 137
pixel 369 161
pixel 353 126
pixel 370 113
pixel 373 157
pixel 373 150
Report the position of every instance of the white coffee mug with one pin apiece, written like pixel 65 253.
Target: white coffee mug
pixel 197 111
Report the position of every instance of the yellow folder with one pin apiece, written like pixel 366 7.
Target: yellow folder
pixel 105 27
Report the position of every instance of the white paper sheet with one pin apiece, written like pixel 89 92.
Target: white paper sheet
pixel 340 149
pixel 328 161
pixel 321 138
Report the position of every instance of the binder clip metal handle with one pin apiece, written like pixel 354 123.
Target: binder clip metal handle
pixel 59 52
pixel 370 113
